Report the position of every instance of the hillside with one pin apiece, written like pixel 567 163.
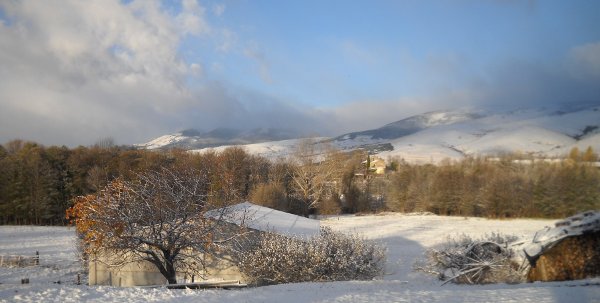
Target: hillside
pixel 539 133
pixel 194 139
pixel 434 136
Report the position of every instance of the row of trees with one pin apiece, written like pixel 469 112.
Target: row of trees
pixel 500 189
pixel 38 183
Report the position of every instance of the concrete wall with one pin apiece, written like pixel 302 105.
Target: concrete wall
pixel 142 273
pixel 132 274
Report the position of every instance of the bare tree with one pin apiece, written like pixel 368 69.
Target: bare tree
pixel 312 173
pixel 160 218
pixel 105 143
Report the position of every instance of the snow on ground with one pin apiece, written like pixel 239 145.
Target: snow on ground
pixel 572 123
pixel 56 246
pixel 421 153
pixel 272 150
pixel 524 139
pixel 162 141
pixel 406 236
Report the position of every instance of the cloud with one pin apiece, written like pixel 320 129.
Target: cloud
pixel 73 71
pixel 519 83
pixel 223 104
pixel 196 69
pixel 191 19
pixel 452 81
pixel 585 61
pixel 369 114
pixel 254 52
pixel 219 9
pixel 227 40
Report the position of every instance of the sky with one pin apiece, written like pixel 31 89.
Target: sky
pixel 73 72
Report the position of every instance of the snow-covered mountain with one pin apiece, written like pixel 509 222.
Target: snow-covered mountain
pixel 541 133
pixel 454 134
pixel 195 139
pixel 413 124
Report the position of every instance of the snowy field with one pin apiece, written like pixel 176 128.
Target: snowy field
pixel 406 236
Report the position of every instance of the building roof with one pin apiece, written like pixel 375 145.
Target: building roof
pixel 270 220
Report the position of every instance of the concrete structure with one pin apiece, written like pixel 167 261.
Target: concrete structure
pixel 256 218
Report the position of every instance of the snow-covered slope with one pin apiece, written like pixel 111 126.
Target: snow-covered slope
pixel 434 136
pixel 273 150
pixel 193 139
pixel 541 133
pixel 413 124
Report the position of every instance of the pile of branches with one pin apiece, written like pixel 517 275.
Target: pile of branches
pixel 464 260
pixel 330 256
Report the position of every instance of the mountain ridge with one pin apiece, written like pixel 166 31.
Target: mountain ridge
pixel 194 139
pixel 455 134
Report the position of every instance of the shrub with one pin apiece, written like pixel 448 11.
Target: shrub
pixel 271 195
pixel 330 256
pixel 465 260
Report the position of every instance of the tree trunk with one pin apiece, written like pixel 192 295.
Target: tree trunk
pixel 170 273
pixel 306 209
pixel 164 265
pixel 172 279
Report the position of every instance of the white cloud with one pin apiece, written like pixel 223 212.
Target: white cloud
pixel 227 40
pixel 216 67
pixel 86 69
pixel 191 19
pixel 196 69
pixel 73 71
pixel 254 52
pixel 219 9
pixel 585 60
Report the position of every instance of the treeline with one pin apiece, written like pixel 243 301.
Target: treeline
pixel 502 188
pixel 38 183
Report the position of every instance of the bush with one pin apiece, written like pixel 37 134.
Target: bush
pixel 331 256
pixel 271 195
pixel 464 260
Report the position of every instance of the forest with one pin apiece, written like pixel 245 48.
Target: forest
pixel 38 183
